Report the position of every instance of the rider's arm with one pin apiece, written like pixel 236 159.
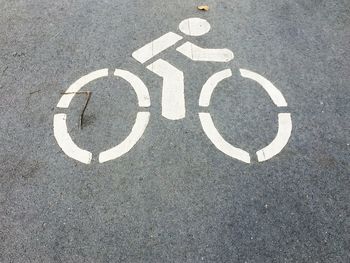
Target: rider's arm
pixel 153 48
pixel 197 53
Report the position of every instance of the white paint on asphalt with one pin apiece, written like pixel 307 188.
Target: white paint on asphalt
pixel 197 53
pixel 280 141
pixel 155 47
pixel 274 93
pixel 76 86
pixel 129 142
pixel 65 141
pixel 137 84
pixel 194 26
pixel 219 141
pixel 210 85
pixel 173 96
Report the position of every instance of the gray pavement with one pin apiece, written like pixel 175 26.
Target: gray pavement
pixel 174 197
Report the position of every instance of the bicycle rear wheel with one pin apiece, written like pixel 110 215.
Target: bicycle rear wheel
pixel 65 141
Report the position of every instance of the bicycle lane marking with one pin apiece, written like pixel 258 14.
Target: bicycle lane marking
pixel 173 90
pixel 65 141
pixel 194 26
pixel 76 86
pixel 153 48
pixel 141 122
pixel 281 139
pixel 210 85
pixel 197 53
pixel 61 133
pixel 207 122
pixel 219 141
pixel 173 98
pixel 129 142
pixel 284 119
pixel 273 92
pixel 140 88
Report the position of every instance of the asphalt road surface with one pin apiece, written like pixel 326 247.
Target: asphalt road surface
pixel 174 197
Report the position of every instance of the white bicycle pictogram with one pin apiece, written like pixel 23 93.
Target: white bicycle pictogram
pixel 173 98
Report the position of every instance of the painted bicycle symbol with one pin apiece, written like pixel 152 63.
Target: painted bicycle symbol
pixel 173 98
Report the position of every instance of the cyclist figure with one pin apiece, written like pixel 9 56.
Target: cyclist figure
pixel 173 98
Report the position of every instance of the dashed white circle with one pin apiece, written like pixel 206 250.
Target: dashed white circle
pixel 65 141
pixel 194 26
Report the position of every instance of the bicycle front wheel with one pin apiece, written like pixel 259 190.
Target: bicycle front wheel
pixel 284 119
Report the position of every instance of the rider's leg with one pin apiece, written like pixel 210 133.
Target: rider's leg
pixel 173 97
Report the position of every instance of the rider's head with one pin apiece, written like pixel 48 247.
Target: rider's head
pixel 194 26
